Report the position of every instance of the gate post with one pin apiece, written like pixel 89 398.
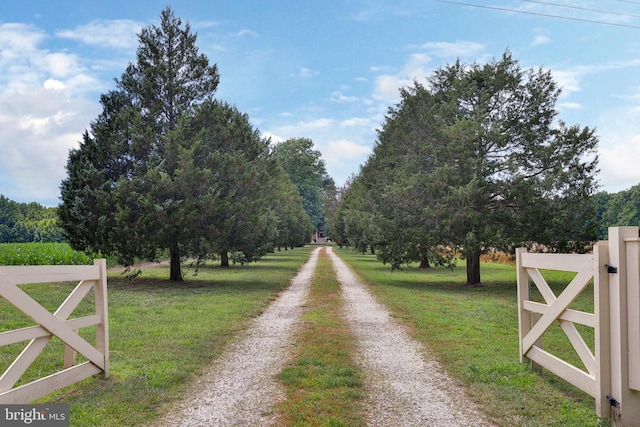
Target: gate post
pixel 625 402
pixel 524 318
pixel 601 306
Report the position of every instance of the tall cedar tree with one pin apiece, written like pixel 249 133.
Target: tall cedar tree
pixel 483 163
pixel 121 195
pixel 230 165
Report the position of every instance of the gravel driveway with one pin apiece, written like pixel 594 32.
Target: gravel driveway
pixel 403 388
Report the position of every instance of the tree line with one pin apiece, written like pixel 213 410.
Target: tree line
pixel 28 222
pixel 474 160
pixel 617 209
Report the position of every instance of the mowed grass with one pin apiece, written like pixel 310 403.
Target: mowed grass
pixel 322 381
pixel 162 334
pixel 473 331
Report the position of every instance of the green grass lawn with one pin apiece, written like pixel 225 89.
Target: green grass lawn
pixel 162 334
pixel 473 332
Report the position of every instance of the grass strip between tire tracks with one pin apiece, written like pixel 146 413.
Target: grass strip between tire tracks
pixel 324 385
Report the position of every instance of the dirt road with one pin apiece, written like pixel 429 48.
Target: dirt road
pixel 403 387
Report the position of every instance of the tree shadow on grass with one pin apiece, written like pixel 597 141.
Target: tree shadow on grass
pixel 154 284
pixel 443 280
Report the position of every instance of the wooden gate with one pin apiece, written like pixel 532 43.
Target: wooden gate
pixel 612 371
pixel 57 324
pixel 536 318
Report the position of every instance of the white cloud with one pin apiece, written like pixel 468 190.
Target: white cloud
pixel 570 106
pixel 44 109
pixel 344 149
pixel 341 155
pixel 619 147
pixel 247 32
pixel 119 33
pixel 37 130
pixel 60 64
pixel 570 78
pixel 619 165
pixel 19 55
pixel 302 128
pixel 339 97
pixel 387 86
pixel 454 50
pixel 53 84
pixel 204 24
pixel 25 66
pixel 540 40
pixel 381 69
pixel 307 72
pixel 356 122
pixel 17 40
pixel 418 66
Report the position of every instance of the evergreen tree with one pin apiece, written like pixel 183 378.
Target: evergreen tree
pixel 120 181
pixel 477 159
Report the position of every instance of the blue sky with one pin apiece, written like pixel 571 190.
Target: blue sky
pixel 326 70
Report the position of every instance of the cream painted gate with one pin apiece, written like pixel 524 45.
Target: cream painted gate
pixel 611 373
pixel 55 324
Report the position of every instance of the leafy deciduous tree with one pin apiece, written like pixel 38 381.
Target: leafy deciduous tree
pixel 27 222
pixel 308 172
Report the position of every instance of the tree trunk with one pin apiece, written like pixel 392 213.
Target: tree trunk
pixel 373 250
pixel 424 262
pixel 473 269
pixel 175 272
pixel 224 259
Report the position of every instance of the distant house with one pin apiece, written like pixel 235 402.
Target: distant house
pixel 320 238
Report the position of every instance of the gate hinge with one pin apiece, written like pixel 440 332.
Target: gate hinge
pixel 613 402
pixel 611 268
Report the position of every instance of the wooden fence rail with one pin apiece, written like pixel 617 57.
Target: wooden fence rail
pixel 55 324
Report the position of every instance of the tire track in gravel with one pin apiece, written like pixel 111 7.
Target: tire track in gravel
pixel 240 388
pixel 403 388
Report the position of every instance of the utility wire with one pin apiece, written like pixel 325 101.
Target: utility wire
pixel 546 15
pixel 583 8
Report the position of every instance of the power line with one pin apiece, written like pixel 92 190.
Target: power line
pixel 628 1
pixel 546 15
pixel 584 8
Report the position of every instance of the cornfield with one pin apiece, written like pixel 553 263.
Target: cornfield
pixel 41 254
